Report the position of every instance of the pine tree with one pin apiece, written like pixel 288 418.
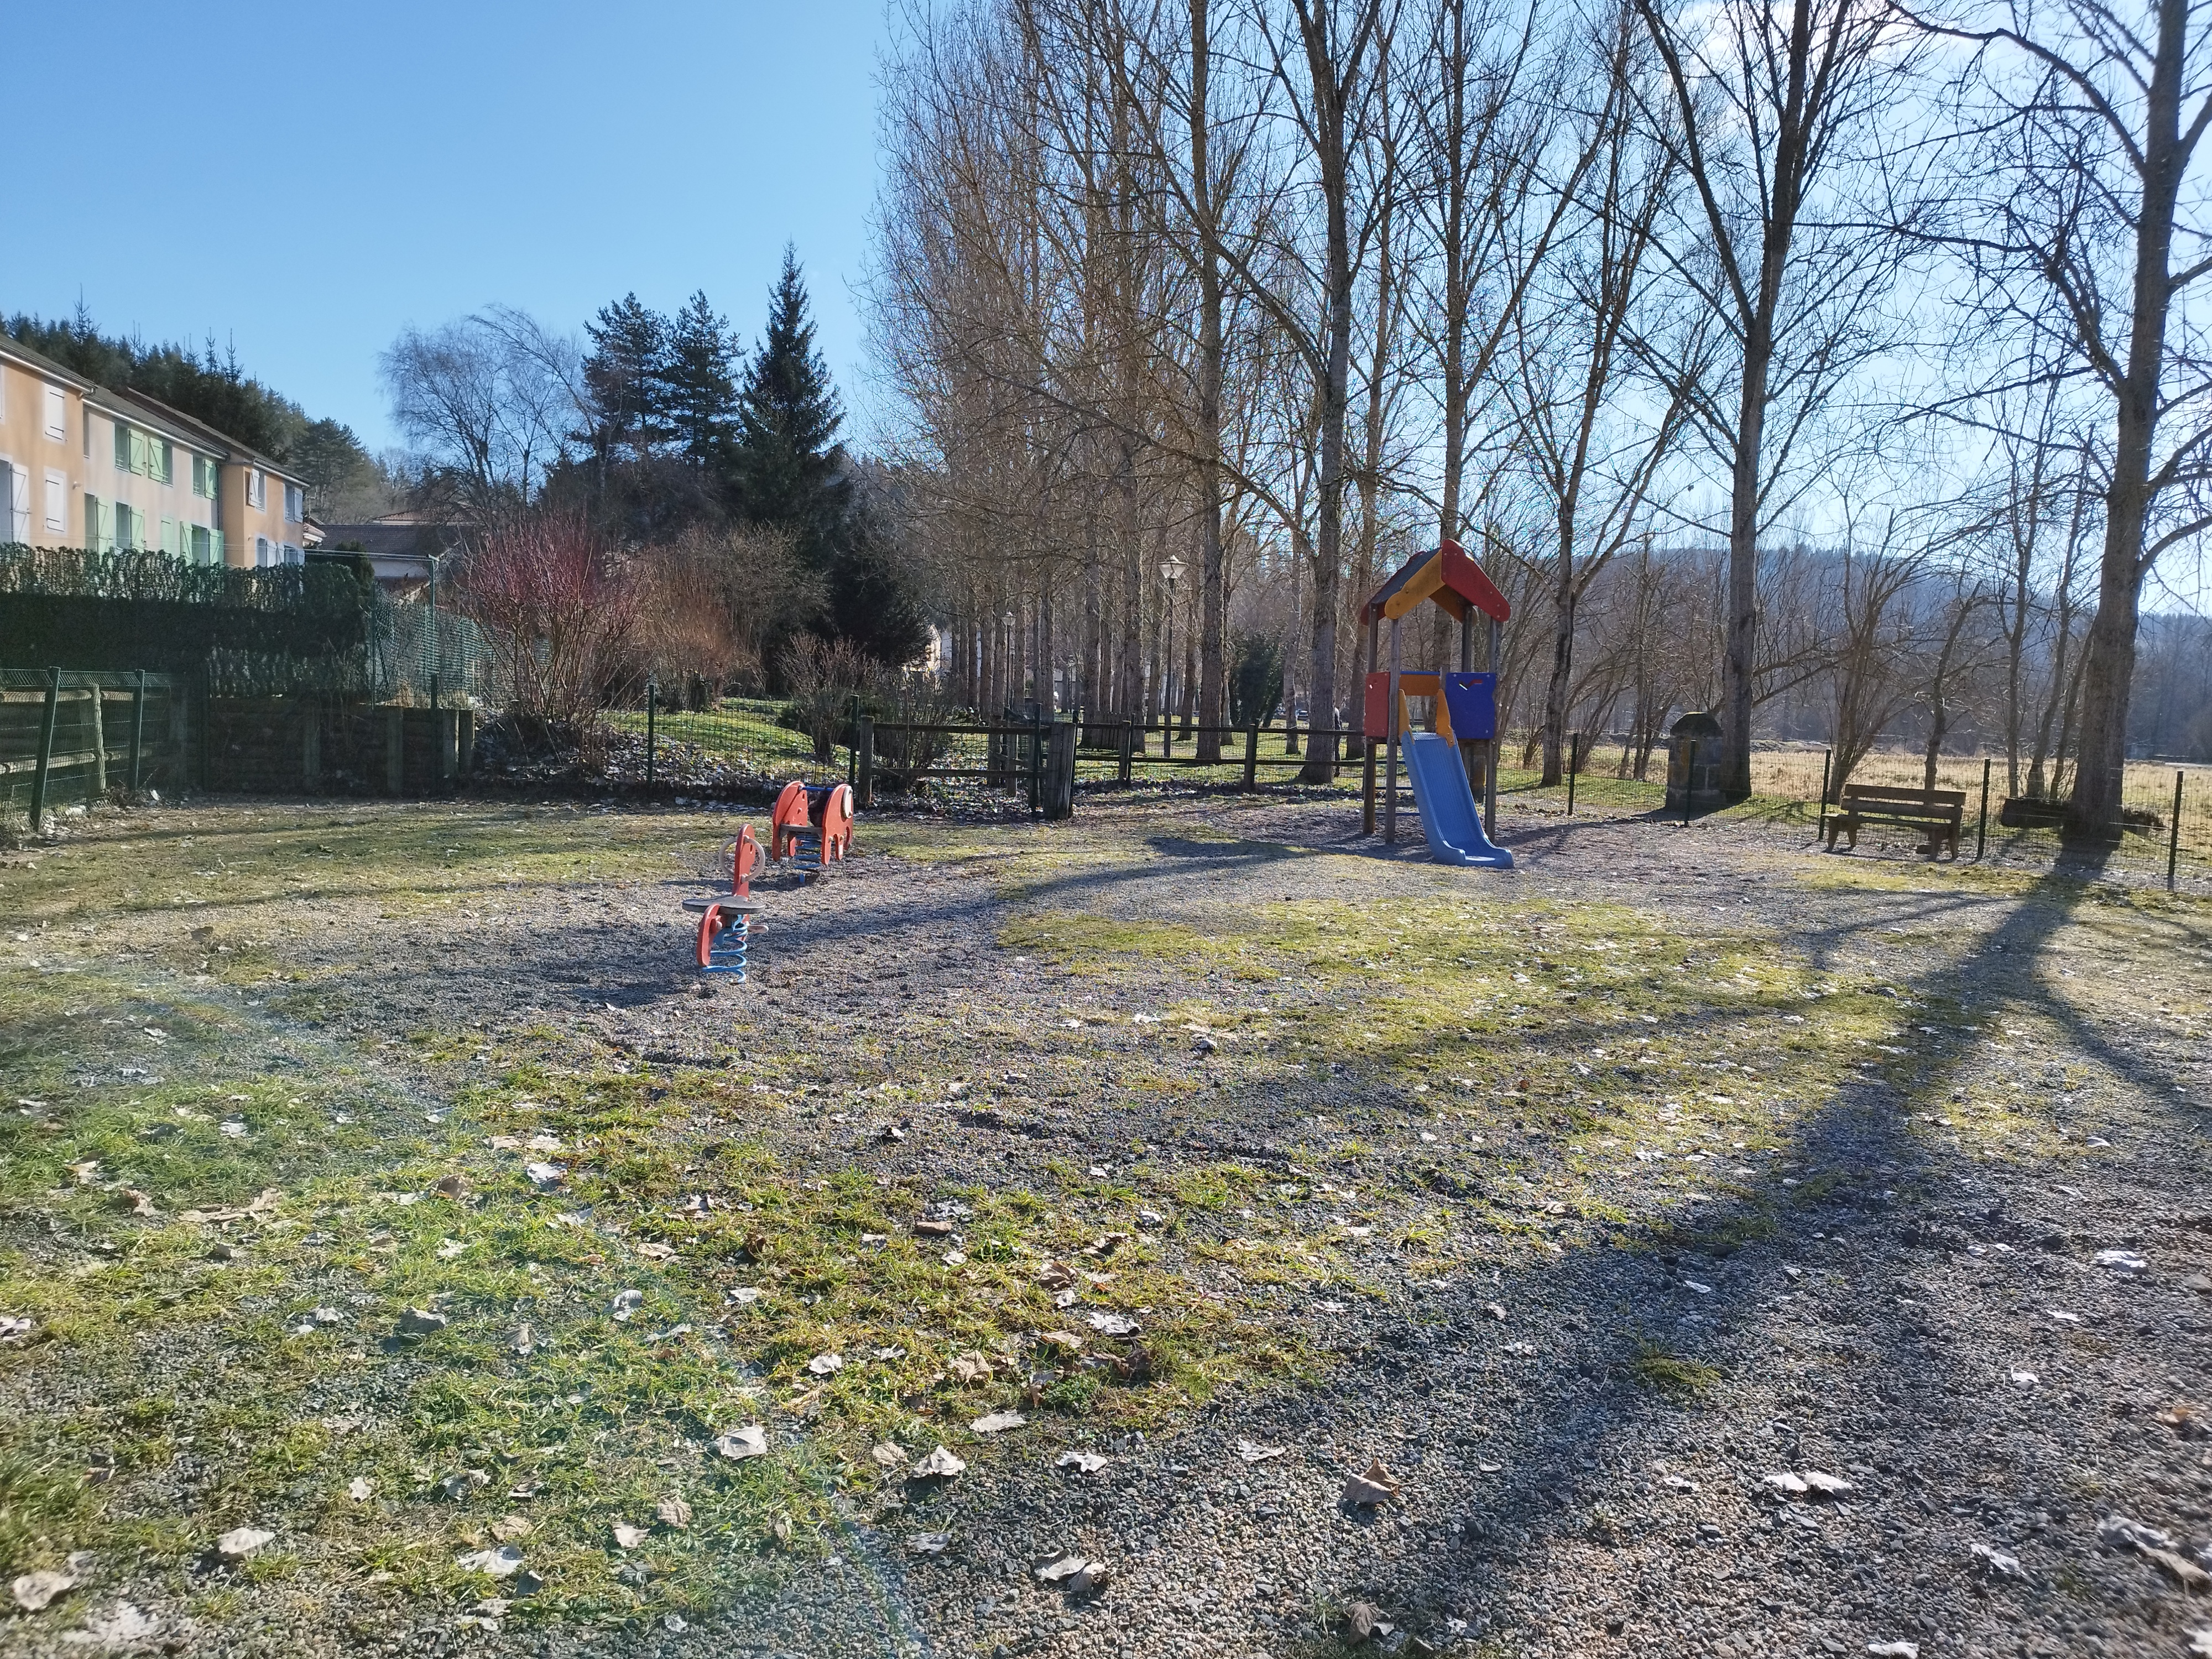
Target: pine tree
pixel 698 392
pixel 788 472
pixel 629 342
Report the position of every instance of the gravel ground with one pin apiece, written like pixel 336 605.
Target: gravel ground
pixel 1993 1354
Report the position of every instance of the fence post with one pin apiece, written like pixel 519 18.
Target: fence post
pixel 1252 757
pixel 1040 724
pixel 1128 759
pixel 1827 762
pixel 1982 828
pixel 138 730
pixel 98 738
pixel 651 721
pixel 864 763
pixel 1574 753
pixel 2173 832
pixel 46 748
pixel 1689 781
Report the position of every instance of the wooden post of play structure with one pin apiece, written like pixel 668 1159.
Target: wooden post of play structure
pixel 1496 739
pixel 1390 726
pixel 1366 741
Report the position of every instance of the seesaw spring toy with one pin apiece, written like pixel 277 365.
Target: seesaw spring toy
pixel 820 813
pixel 726 919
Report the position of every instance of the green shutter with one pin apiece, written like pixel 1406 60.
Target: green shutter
pixel 216 535
pixel 122 447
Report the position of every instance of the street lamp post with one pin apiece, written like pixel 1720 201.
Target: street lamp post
pixel 1171 571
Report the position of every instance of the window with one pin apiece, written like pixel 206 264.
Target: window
pixel 159 457
pixel 260 549
pixel 203 476
pixel 56 504
pixel 130 527
pixel 295 504
pixel 14 503
pixel 257 487
pixel 287 554
pixel 203 545
pixel 122 447
pixel 169 536
pixel 97 538
pixel 57 414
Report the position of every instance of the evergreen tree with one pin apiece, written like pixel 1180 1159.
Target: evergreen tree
pixel 629 343
pixel 698 394
pixel 787 470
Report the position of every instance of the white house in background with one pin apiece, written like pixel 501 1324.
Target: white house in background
pixel 83 466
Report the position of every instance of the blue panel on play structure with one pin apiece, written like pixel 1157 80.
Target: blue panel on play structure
pixel 1473 700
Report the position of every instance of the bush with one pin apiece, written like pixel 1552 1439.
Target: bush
pixel 827 678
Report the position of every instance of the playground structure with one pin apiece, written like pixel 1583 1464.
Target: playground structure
pixel 821 813
pixel 726 919
pixel 1440 763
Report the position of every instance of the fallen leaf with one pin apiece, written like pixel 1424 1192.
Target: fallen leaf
pixel 420 1321
pixel 2200 1641
pixel 543 1175
pixel 971 1368
pixel 459 1484
pixel 656 1252
pixel 999 1422
pixel 1060 1567
pixel 1256 1454
pixel 128 1627
pixel 1783 1481
pixel 501 1563
pixel 626 1304
pixel 450 1248
pixel 359 1489
pixel 35 1591
pixel 2119 1529
pixel 1066 1341
pixel 1094 1577
pixel 672 1511
pixel 1082 1462
pixel 1113 1324
pixel 928 1543
pixel 627 1536
pixel 1372 1488
pixel 449 1186
pixel 1895 1650
pixel 1997 1563
pixel 1827 1486
pixel 751 1441
pixel 941 1465
pixel 526 1341
pixel 1055 1275
pixel 137 1202
pixel 890 1456
pixel 1361 1620
pixel 2183 1572
pixel 241 1541
pixel 508 1528
pixel 826 1364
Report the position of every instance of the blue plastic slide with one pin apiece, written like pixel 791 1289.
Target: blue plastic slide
pixel 1448 815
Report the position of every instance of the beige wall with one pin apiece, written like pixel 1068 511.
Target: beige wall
pixel 246 526
pixel 26 444
pixel 155 502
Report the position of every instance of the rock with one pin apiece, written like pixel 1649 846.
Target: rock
pixel 1783 1481
pixel 928 1543
pixel 2022 1379
pixel 1895 1650
pixel 1826 1485
pixel 35 1591
pixel 241 1541
pixel 1997 1563
pixel 127 1627
pixel 2200 1641
pixel 1376 1487
pixel 420 1321
pixel 941 1465
pixel 503 1562
pixel 998 1423
pixel 751 1441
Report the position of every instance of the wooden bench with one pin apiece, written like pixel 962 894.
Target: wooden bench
pixel 1936 812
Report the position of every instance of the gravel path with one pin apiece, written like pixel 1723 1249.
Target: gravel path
pixel 1989 1354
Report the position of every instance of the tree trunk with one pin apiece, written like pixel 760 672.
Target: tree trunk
pixel 1212 675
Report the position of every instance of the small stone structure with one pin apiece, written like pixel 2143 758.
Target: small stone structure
pixel 1693 763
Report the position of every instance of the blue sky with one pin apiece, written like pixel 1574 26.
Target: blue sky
pixel 305 179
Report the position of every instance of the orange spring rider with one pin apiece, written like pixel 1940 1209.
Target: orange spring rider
pixel 822 814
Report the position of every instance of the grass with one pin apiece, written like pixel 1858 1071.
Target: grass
pixel 1531 1077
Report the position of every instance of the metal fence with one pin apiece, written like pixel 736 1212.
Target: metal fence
pixel 71 737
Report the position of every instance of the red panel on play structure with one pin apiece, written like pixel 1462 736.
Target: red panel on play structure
pixel 1465 578
pixel 1374 720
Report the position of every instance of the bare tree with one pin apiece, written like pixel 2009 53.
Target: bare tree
pixel 2089 113
pixel 1778 120
pixel 490 401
